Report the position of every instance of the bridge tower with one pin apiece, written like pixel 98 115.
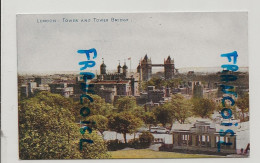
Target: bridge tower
pixel 146 68
pixel 169 68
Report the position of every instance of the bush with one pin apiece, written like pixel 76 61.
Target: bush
pixel 146 137
pixel 144 141
pixel 137 144
pixel 113 145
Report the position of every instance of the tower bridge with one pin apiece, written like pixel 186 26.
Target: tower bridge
pixel 145 68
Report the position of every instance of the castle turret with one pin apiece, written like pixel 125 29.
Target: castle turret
pixel 103 68
pixel 125 69
pixel 119 68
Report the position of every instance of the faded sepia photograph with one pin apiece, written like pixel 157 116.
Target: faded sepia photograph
pixel 133 85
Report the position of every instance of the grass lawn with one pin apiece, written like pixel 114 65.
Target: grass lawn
pixel 147 153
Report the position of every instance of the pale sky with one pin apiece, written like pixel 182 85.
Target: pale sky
pixel 192 39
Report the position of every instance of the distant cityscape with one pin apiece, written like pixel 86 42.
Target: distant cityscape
pixel 111 86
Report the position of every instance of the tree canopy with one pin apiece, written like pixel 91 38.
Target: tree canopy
pixel 243 105
pixel 164 114
pixel 178 109
pixel 149 118
pixel 97 107
pixel 126 103
pixel 160 82
pixel 101 123
pixel 47 130
pixel 124 122
pixel 181 107
pixel 203 107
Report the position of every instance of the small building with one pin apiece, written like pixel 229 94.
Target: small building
pixel 61 88
pixel 203 138
pixel 109 89
pixel 155 95
pixel 43 80
pixel 31 89
pixel 24 92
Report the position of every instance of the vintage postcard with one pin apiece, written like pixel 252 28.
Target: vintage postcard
pixel 133 85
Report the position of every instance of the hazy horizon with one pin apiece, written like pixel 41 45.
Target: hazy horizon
pixel 181 70
pixel 192 39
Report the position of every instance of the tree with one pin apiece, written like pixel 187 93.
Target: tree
pixel 126 103
pixel 158 82
pixel 164 114
pixel 181 107
pixel 149 119
pixel 47 130
pixel 97 107
pixel 124 122
pixel 95 150
pixel 203 107
pixel 178 109
pixel 138 111
pixel 101 123
pixel 243 105
pixel 173 83
pixel 154 81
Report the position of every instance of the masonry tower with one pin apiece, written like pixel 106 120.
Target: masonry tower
pixel 168 68
pixel 103 68
pixel 119 68
pixel 125 70
pixel 146 68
